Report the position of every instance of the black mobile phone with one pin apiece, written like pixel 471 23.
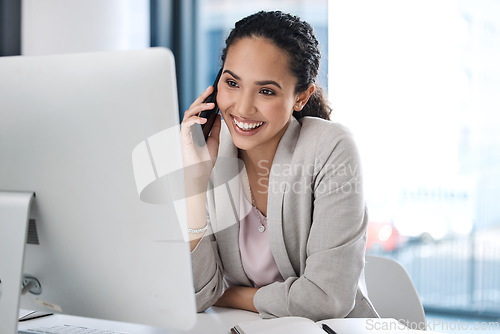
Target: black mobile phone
pixel 211 114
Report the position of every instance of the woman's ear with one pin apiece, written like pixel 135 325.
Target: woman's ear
pixel 303 97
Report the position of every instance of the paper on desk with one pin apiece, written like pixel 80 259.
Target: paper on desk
pixel 370 326
pixel 286 325
pixel 297 325
pixel 25 315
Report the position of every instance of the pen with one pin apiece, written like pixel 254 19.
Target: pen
pixel 328 329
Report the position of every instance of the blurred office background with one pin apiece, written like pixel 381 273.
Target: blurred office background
pixel 417 81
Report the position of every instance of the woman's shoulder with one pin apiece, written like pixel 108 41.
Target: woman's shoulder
pixel 325 142
pixel 321 131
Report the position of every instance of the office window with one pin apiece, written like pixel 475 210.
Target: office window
pixel 418 83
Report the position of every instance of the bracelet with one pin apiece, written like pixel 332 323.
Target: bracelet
pixel 198 230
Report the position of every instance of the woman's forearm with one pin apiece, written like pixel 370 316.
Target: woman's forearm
pixel 196 206
pixel 240 297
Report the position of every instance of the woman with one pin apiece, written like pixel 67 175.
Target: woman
pixel 284 231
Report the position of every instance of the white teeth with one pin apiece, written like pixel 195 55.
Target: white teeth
pixel 247 126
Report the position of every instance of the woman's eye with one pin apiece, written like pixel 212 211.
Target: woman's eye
pixel 266 91
pixel 231 83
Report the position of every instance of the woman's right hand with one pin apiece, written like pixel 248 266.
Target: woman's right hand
pixel 199 160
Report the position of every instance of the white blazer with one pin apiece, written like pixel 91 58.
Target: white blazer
pixel 316 221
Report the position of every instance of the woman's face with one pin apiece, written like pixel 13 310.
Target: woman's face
pixel 256 93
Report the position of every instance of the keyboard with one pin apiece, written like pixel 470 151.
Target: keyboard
pixel 66 329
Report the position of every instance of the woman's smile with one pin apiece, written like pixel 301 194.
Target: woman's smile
pixel 246 127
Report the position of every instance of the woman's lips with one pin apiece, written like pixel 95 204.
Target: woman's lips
pixel 246 127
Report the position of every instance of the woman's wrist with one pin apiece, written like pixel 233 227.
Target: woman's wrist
pixel 198 230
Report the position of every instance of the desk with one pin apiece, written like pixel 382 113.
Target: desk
pixel 215 320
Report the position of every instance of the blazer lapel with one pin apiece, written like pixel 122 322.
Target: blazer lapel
pixel 276 191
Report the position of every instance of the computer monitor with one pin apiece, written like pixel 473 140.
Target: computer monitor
pixel 86 133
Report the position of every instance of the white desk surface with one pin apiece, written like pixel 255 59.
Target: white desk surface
pixel 215 320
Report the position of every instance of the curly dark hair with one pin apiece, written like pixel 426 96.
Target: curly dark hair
pixel 296 38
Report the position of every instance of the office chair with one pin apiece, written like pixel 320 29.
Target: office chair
pixel 392 292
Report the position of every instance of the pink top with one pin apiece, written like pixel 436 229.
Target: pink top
pixel 256 257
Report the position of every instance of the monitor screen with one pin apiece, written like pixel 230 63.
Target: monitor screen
pixel 69 125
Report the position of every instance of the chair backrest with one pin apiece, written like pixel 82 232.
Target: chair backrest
pixel 392 292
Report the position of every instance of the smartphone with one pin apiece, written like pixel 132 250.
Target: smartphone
pixel 211 114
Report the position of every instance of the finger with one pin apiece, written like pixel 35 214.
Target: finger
pixel 197 109
pixel 203 96
pixel 189 122
pixel 192 121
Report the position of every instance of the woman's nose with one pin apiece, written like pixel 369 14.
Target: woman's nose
pixel 245 105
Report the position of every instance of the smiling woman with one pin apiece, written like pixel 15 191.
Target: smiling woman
pixel 257 87
pixel 286 250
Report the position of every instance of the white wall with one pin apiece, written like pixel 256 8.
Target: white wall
pixel 68 26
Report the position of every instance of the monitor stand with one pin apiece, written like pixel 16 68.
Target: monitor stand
pixel 14 216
